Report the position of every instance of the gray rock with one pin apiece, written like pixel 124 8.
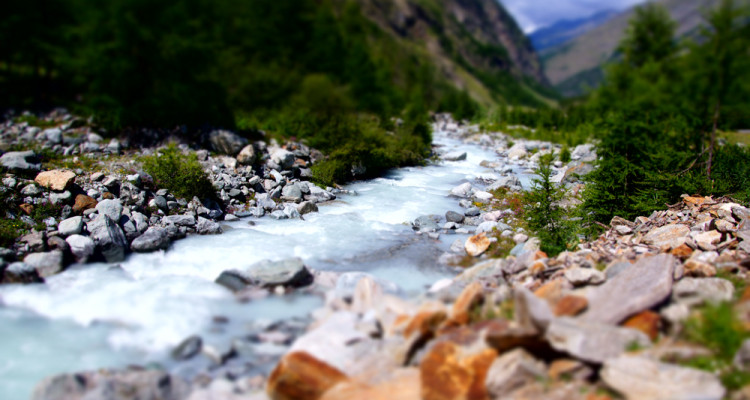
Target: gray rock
pixel 616 268
pixel 60 198
pixel 226 142
pixel 110 208
pixel 639 378
pixel 307 207
pixel 283 158
pixel 152 240
pixel 695 291
pixel 114 146
pixel 291 193
pixel 486 226
pixel 110 239
pixel 319 195
pixel 180 220
pixel 452 216
pixel 46 264
pixel 113 385
pixel 640 287
pixel 472 212
pixel 669 235
pixel 140 220
pixel 81 247
pixel 188 349
pixel 584 152
pixel 31 190
pixel 247 156
pixel 70 226
pixel 464 190
pixel 512 371
pixel 590 341
pixel 531 311
pixel 19 272
pixel 584 276
pixel 21 161
pixel 289 272
pixel 37 241
pixel 161 203
pixel 10 182
pixel 425 223
pixel 233 280
pixel 231 218
pixel 53 135
pixel 455 156
pixel 208 227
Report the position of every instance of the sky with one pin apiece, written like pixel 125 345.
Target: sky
pixel 535 14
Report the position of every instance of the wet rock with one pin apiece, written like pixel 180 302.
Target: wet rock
pixel 670 236
pixel 638 288
pixel 152 240
pixel 696 291
pixel 425 223
pixel 56 180
pixel 452 216
pixel 301 376
pixel 233 280
pixel 346 284
pixel 208 227
pixel 476 245
pixel 464 190
pixel 639 378
pixel 81 247
pixel 306 207
pixel 109 239
pixel 110 208
pixel 226 142
pixel 289 272
pixel 180 220
pixel 592 342
pixel 70 226
pixel 511 371
pixel 455 156
pixel 83 203
pixel 46 264
pixel 291 193
pixel 112 385
pixel 21 161
pixel 188 349
pixel 19 272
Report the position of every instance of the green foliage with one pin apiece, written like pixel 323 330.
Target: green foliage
pixel 718 328
pixel 10 229
pixel 565 154
pixel 182 174
pixel 460 104
pixel 546 217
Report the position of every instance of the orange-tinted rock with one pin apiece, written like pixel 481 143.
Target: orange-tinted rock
pixel 425 322
pixel 698 201
pixel 468 299
pixel 108 196
pixel 538 267
pixel 450 372
pixel 646 322
pixel 56 180
pixel 26 208
pixel 699 269
pixel 83 203
pixel 504 335
pixel 300 376
pixel 550 291
pixel 745 295
pixel 476 245
pixel 401 385
pixel 682 251
pixel 571 306
pixel 564 368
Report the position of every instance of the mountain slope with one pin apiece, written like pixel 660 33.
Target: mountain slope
pixel 565 30
pixel 576 64
pixel 475 44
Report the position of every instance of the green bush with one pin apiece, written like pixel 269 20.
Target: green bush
pixel 182 174
pixel 10 229
pixel 565 154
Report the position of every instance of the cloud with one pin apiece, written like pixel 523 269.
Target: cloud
pixel 534 14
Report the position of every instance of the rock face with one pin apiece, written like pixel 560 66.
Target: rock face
pixel 642 379
pixel 56 180
pixel 82 247
pixel 290 272
pixel 110 239
pixel 592 342
pixel 21 161
pixel 152 240
pixel 207 227
pixel 226 142
pixel 112 385
pixel 638 288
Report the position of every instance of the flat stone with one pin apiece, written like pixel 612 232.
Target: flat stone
pixel 112 385
pixel 60 197
pixel 455 156
pixel 640 287
pixel 707 240
pixel 530 310
pixel 289 272
pixel 21 161
pixel 584 276
pixel 152 240
pixel 639 378
pixel 70 226
pixel 82 247
pixel 590 341
pixel 512 371
pixel 695 291
pixel 110 208
pixel 180 220
pixel 56 179
pixel 46 264
pixel 667 236
pixel 464 190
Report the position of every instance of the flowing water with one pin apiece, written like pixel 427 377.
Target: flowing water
pixel 98 315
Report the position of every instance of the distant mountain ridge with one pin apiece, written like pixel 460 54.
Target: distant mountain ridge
pixel 568 29
pixel 575 66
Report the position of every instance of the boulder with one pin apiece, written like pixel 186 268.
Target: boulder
pixel 208 227
pixel 671 236
pixel 247 156
pixel 590 341
pixel 110 208
pixel 56 180
pixel 639 378
pixel 696 291
pixel 233 280
pixel 283 158
pixel 83 203
pixel 112 385
pixel 226 142
pixel 640 287
pixel 301 376
pixel 452 216
pixel 512 371
pixel 70 226
pixel 82 247
pixel 476 245
pixel 109 238
pixel 152 240
pixel 291 193
pixel 21 161
pixel 19 272
pixel 307 207
pixel 46 264
pixel 289 272
pixel 455 156
pixel 464 190
pixel 584 276
pixel 180 220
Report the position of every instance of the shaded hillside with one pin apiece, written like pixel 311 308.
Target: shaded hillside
pixel 577 64
pixel 568 29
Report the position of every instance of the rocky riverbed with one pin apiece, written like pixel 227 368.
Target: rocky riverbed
pixel 388 290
